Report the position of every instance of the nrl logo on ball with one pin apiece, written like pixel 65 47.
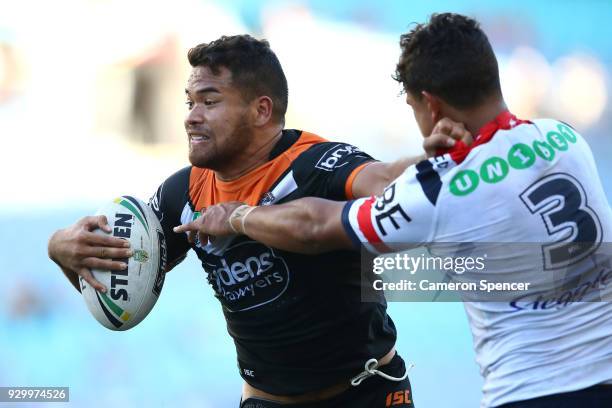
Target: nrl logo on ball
pixel 141 256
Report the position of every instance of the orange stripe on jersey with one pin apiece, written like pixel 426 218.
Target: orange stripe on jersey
pixel 205 189
pixel 348 187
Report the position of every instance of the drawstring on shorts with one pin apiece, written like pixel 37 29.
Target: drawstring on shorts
pixel 370 370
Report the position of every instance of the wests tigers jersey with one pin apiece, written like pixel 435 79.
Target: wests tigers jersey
pixel 296 320
pixel 520 182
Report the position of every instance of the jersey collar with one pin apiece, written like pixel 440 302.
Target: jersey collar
pixel 504 121
pixel 287 139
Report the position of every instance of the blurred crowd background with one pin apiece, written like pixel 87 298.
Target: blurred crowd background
pixel 91 107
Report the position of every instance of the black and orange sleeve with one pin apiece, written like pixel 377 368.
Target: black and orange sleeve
pixel 328 169
pixel 168 203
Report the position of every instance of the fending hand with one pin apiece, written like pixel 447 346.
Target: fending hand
pixel 445 134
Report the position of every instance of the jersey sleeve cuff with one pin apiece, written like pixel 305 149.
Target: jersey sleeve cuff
pixel 348 186
pixel 346 223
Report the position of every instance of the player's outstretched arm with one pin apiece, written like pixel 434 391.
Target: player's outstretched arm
pixel 76 250
pixel 373 179
pixel 308 225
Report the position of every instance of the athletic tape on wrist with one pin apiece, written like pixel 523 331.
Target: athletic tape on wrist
pixel 237 214
pixel 234 215
pixel 244 219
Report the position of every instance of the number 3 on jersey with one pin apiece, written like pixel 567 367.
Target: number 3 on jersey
pixel 561 201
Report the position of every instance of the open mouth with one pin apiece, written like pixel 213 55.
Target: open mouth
pixel 198 138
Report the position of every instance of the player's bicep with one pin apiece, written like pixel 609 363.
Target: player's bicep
pixel 371 180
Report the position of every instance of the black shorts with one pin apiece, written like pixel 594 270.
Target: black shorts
pixel 373 392
pixel 599 396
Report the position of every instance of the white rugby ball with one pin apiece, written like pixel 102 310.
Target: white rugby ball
pixel 131 293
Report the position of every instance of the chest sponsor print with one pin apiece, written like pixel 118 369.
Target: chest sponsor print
pixel 247 276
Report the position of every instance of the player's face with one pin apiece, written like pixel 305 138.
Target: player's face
pixel 217 123
pixel 422 113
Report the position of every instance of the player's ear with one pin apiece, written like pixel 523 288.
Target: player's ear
pixel 434 106
pixel 262 110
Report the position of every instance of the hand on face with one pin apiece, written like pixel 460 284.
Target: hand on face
pixel 79 250
pixel 445 134
pixel 213 222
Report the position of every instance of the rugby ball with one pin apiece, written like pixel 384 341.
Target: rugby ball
pixel 131 293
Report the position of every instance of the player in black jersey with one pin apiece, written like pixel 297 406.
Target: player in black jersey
pixel 302 335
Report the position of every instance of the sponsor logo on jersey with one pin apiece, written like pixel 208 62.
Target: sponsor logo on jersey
pixel 154 204
pixel 332 159
pixel 154 201
pixel 248 275
pixel 246 371
pixel 520 156
pixel 163 260
pixel 590 290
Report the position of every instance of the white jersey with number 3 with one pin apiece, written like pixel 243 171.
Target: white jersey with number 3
pixel 520 182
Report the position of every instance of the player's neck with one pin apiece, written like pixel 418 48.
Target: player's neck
pixel 475 119
pixel 254 156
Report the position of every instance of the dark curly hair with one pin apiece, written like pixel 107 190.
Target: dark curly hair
pixel 449 57
pixel 255 68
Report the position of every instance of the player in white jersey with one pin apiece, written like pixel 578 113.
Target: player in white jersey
pixel 520 182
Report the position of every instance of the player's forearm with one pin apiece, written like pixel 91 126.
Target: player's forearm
pixel 398 167
pixel 308 225
pixel 373 179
